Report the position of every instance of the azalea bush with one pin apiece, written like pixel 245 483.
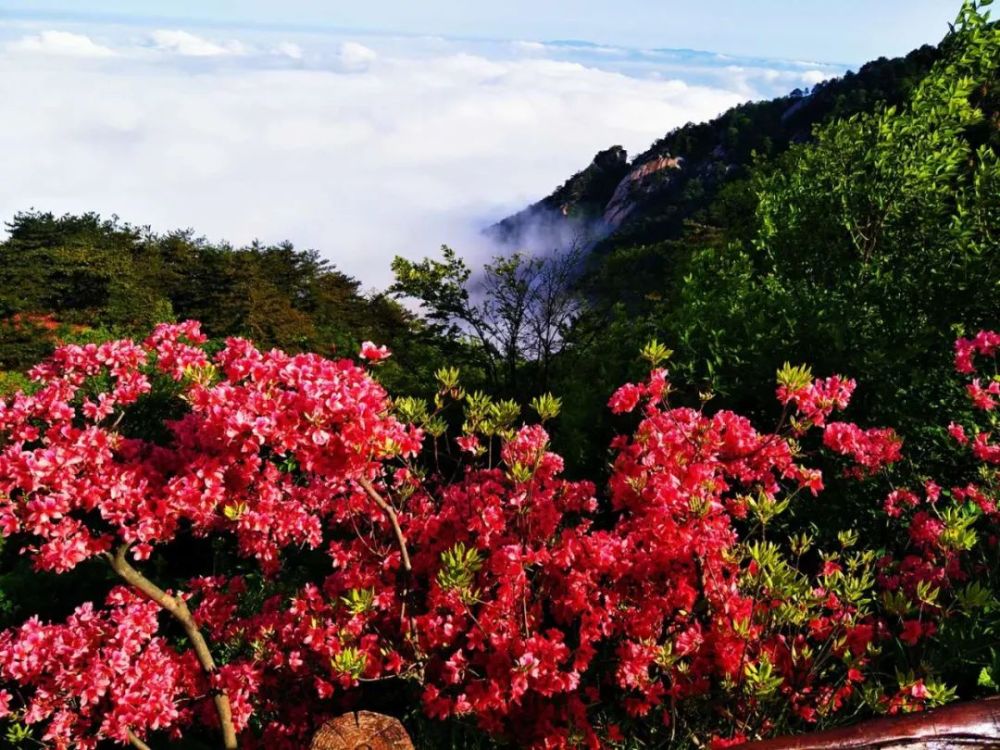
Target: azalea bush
pixel 280 538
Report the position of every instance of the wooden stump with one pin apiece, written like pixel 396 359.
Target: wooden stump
pixel 363 730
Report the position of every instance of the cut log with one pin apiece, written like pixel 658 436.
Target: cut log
pixel 962 725
pixel 363 730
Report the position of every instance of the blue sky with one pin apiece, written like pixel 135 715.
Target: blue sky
pixel 849 31
pixel 370 129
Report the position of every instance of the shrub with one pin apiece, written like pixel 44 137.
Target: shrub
pixel 285 535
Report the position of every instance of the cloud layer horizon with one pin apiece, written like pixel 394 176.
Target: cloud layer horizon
pixel 361 147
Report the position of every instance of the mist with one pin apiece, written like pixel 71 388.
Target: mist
pixel 359 147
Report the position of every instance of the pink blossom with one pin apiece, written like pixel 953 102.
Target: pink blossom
pixel 374 353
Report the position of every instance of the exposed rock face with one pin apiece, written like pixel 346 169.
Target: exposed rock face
pixel 642 180
pixel 594 202
pixel 580 201
pixel 362 731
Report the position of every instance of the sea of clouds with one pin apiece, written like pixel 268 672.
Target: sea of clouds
pixel 361 146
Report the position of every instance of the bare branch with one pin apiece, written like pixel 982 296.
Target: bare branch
pixel 178 608
pixel 390 512
pixel 135 741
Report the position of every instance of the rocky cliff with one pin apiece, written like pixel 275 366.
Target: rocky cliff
pixel 573 209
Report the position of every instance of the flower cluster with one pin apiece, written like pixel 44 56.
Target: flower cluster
pixel 694 609
pixel 101 674
pixel 267 451
pixel 505 591
pixel 934 578
pixel 871 449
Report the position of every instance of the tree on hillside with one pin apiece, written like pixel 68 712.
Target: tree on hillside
pixel 518 313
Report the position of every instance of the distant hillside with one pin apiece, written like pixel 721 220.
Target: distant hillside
pixel 615 202
pixel 85 278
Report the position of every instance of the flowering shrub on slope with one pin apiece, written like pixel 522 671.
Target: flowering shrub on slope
pixel 470 568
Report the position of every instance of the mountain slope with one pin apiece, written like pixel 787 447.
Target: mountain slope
pixel 615 202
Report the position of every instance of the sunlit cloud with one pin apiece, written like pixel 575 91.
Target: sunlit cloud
pixel 62 43
pixel 355 56
pixel 289 49
pixel 184 43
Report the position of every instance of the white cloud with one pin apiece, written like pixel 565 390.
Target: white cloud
pixel 356 56
pixel 289 49
pixel 359 154
pixel 752 79
pixel 61 43
pixel 812 77
pixel 189 45
pixel 530 48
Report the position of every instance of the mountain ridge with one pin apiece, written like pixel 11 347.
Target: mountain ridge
pixel 616 200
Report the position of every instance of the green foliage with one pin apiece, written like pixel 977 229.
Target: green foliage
pixel 11 382
pixel 359 601
pixel 489 417
pixel 861 248
pixel 794 378
pixel 18 734
pixel 83 278
pixel 351 661
pixel 546 406
pixel 872 243
pixel 655 353
pixel 459 565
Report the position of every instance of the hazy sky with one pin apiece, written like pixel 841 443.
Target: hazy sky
pixel 369 129
pixel 832 30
